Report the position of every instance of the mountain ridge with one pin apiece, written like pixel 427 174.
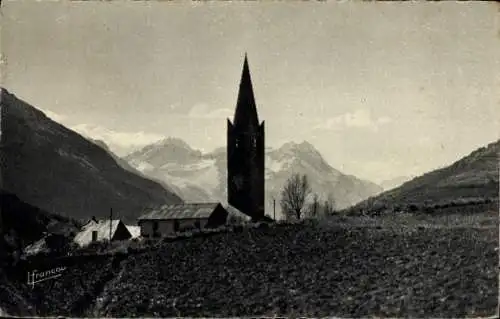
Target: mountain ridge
pixel 472 178
pixel 52 167
pixel 200 176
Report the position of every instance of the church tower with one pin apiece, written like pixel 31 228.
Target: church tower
pixel 245 153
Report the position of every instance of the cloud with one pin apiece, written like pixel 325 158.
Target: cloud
pixel 120 143
pixel 358 119
pixel 384 120
pixel 202 110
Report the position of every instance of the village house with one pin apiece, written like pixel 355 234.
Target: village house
pixel 102 230
pixel 170 219
pixel 54 242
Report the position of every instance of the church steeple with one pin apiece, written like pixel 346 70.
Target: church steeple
pixel 245 153
pixel 246 111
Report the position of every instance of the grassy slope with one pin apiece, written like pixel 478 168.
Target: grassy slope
pixel 473 178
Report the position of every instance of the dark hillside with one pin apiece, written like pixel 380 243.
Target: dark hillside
pixel 29 223
pixel 56 169
pixel 22 224
pixel 472 179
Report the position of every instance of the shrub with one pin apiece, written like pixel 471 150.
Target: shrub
pixel 428 210
pixel 238 229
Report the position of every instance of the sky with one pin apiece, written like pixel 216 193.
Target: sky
pixel 382 90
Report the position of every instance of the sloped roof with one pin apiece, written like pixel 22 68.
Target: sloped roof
pixel 181 211
pixel 90 221
pixel 84 237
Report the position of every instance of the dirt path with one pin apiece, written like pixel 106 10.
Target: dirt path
pixel 87 304
pixel 94 309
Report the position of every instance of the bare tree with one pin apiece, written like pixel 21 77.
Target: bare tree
pixel 314 207
pixel 329 205
pixel 294 194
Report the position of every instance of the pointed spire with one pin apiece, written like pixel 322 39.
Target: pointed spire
pixel 246 110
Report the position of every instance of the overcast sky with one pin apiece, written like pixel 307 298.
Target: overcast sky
pixel 381 89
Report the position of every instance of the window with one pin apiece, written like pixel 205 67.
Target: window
pixel 176 225
pixel 197 224
pixel 94 235
pixel 155 229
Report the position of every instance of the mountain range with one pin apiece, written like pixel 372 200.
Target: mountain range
pixel 471 179
pixel 53 168
pixel 196 176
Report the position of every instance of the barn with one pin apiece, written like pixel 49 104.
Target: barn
pixel 102 230
pixel 170 219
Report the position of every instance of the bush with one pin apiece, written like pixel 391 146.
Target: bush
pixel 413 208
pixel 238 229
pixel 429 210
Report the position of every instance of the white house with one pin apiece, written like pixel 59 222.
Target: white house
pixel 102 230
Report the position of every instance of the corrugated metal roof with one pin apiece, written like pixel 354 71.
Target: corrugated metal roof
pixel 102 227
pixel 181 211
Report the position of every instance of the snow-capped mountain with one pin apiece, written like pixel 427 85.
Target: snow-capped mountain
pixel 202 177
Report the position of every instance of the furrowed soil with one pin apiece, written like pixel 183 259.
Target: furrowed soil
pixel 349 267
pixel 335 269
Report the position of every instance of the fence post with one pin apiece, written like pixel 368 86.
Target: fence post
pixel 110 223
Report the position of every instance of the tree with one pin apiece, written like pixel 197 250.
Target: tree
pixel 294 194
pixel 314 207
pixel 329 205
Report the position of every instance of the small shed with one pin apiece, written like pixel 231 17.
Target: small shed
pixel 170 219
pixel 102 230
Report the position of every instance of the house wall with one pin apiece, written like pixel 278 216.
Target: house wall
pixel 166 227
pixel 183 223
pixel 218 217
